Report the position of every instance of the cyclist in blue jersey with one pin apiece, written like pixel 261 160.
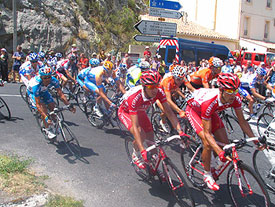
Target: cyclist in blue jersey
pixel 41 99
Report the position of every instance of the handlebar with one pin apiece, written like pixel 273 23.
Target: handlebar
pixel 59 109
pixel 162 142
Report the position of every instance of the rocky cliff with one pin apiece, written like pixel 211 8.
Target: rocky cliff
pixel 56 24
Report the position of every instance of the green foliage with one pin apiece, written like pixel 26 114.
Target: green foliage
pixel 63 201
pixel 12 164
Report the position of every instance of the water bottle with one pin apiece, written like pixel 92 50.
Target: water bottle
pixel 258 107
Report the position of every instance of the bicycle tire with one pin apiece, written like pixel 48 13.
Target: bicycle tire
pixel 268 109
pixel 94 120
pixel 188 129
pixel 143 174
pixel 247 174
pixel 70 140
pixel 245 109
pixel 233 128
pixel 263 167
pixel 157 128
pixel 186 154
pixel 4 110
pixel 80 100
pixel 40 124
pixel 175 179
pixel 262 125
pixel 23 92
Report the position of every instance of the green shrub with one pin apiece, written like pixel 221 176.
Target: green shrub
pixel 12 164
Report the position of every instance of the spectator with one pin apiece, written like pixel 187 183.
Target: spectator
pixel 155 63
pixel 83 62
pixel 18 57
pixel 102 56
pixel 4 64
pixel 270 77
pixel 249 67
pixel 182 63
pixel 127 60
pixel 226 68
pixel 174 63
pixel 147 52
pixel 74 65
pixel 162 66
pixel 236 69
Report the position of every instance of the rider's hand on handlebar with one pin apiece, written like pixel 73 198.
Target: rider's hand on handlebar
pixel 144 154
pixel 182 114
pixel 224 158
pixel 112 106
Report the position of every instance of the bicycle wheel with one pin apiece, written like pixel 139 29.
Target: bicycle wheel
pixel 264 168
pixel 158 130
pixel 177 184
pixel 245 187
pixel 40 123
pixel 70 140
pixel 192 163
pixel 233 128
pixel 269 108
pixel 263 123
pixel 94 120
pixel 144 174
pixel 23 92
pixel 4 110
pixel 80 100
pixel 67 92
pixel 245 109
pixel 188 129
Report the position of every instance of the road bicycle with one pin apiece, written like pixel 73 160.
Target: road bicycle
pixel 59 128
pixel 244 185
pixel 4 110
pixel 23 92
pixel 264 160
pixel 173 176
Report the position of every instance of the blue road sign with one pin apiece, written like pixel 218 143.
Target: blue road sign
pixel 165 4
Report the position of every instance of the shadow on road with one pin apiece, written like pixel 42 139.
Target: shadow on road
pixel 12 119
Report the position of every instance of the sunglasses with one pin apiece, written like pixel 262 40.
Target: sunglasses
pixel 152 86
pixel 231 91
pixel 46 77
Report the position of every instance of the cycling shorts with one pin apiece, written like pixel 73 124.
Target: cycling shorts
pixel 24 79
pixel 244 91
pixel 45 98
pixel 91 85
pixel 61 74
pixel 143 120
pixel 196 121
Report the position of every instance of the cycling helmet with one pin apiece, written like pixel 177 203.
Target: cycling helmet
pixel 58 55
pixel 33 57
pixel 150 77
pixel 72 57
pixel 53 62
pixel 41 54
pixel 108 65
pixel 144 65
pixel 123 67
pixel 45 71
pixel 94 62
pixel 261 71
pixel 216 62
pixel 228 81
pixel 178 71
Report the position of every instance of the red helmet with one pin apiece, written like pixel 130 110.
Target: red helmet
pixel 150 78
pixel 228 81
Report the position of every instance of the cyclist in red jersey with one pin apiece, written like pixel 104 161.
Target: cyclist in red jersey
pixel 132 113
pixel 202 114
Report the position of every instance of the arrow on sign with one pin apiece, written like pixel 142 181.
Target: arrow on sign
pixel 165 4
pixel 144 38
pixel 164 13
pixel 156 28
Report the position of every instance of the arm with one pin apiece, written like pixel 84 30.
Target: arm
pixel 171 102
pixel 39 107
pixel 190 87
pixel 62 96
pixel 243 123
pixel 100 88
pixel 171 116
pixel 257 95
pixel 205 85
pixel 69 76
pixel 120 86
pixel 136 129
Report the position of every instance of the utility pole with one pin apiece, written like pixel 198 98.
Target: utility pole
pixel 14 25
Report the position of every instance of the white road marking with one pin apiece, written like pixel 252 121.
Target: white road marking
pixel 10 95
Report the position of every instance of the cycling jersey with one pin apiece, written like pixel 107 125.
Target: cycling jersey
pixel 62 66
pixel 134 102
pixel 27 69
pixel 81 76
pixel 204 105
pixel 200 77
pixel 168 83
pixel 132 76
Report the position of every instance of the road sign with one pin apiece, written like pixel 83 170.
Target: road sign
pixel 144 38
pixel 164 13
pixel 174 5
pixel 156 28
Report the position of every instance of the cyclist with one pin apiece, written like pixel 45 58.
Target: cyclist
pixel 248 89
pixel 202 113
pixel 40 97
pixel 201 78
pixel 132 113
pixel 134 73
pixel 170 85
pixel 41 56
pixel 62 70
pixel 94 62
pixel 30 68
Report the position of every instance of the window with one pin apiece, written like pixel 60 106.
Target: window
pixel 259 57
pixel 162 53
pixel 268 3
pixel 171 55
pixel 266 30
pixel 246 26
pixel 249 1
pixel 204 55
pixel 188 55
pixel 248 56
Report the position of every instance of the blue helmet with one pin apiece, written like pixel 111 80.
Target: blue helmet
pixel 123 67
pixel 58 55
pixel 41 54
pixel 45 71
pixel 33 57
pixel 94 62
pixel 261 71
pixel 53 62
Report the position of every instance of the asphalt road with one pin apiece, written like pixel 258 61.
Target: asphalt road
pixel 104 177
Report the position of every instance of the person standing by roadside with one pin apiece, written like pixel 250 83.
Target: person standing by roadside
pixel 147 52
pixel 18 57
pixel 4 64
pixel 102 56
pixel 83 62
